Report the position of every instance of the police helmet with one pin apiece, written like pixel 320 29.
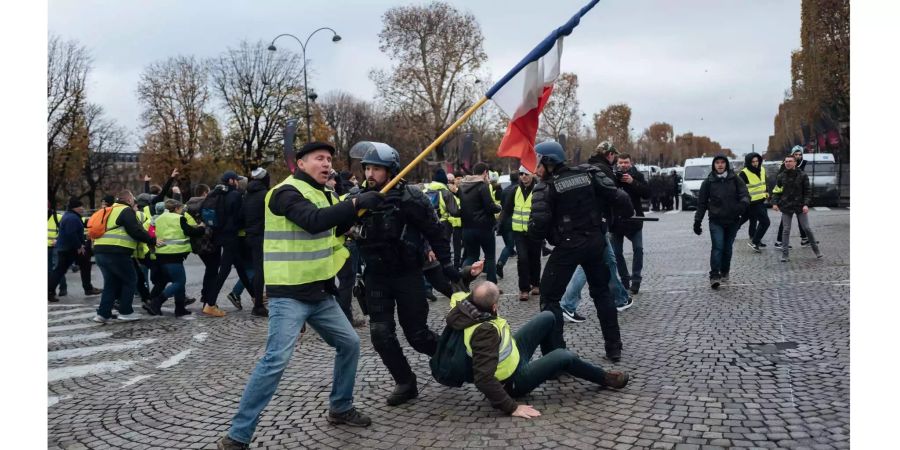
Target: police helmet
pixel 550 152
pixel 379 154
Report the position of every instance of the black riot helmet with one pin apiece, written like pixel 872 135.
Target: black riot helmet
pixel 377 154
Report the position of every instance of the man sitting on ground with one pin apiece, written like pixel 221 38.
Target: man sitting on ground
pixel 501 361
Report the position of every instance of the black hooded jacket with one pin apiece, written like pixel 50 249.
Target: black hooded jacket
pixel 254 206
pixel 725 197
pixel 756 171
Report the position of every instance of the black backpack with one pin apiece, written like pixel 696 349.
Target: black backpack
pixel 451 365
pixel 212 210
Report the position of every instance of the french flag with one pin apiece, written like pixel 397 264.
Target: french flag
pixel 523 92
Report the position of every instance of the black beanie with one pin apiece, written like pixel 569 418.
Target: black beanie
pixel 440 176
pixel 74 202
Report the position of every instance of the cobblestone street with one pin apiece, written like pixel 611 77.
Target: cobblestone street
pixel 762 362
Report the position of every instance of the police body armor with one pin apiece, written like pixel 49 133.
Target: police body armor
pixel 573 196
pixel 385 241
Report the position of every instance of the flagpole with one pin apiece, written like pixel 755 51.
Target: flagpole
pixel 433 145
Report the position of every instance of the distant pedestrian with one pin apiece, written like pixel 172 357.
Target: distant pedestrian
pixel 754 175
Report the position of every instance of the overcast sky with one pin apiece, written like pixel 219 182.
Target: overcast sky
pixel 717 68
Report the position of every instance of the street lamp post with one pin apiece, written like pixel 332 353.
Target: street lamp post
pixel 303 44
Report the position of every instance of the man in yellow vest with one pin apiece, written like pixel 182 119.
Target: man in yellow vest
pixel 501 360
pixel 173 233
pixel 754 176
pixel 528 263
pixel 53 219
pixel 113 252
pixel 303 250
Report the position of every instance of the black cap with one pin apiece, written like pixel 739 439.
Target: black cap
pixel 109 199
pixel 74 202
pixel 313 146
pixel 229 175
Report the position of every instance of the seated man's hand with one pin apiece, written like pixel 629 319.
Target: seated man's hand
pixel 476 268
pixel 526 411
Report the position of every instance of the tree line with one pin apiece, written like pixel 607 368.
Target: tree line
pixel 228 111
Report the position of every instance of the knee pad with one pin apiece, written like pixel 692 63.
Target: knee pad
pixel 383 335
pixel 423 341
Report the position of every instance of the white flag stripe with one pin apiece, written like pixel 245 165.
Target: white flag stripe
pixel 522 92
pixel 64 373
pixel 87 351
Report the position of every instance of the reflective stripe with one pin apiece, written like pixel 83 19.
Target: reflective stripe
pixel 297 256
pixel 756 185
pixel 297 235
pixel 521 211
pixel 508 353
pixel 173 242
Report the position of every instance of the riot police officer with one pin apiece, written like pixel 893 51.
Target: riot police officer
pixel 391 241
pixel 559 214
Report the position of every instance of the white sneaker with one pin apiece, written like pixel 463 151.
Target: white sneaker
pixel 100 319
pixel 130 317
pixel 628 304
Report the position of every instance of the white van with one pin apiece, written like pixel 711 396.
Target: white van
pixel 695 171
pixel 823 178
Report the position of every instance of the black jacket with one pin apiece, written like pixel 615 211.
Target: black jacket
pixel 726 198
pixel 254 206
pixel 127 220
pixel 71 232
pixel 636 190
pixel 792 191
pixel 288 202
pixel 234 220
pixel 485 356
pixel 478 208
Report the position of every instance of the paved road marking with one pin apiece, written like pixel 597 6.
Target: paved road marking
pixel 674 211
pixel 87 351
pixel 64 373
pixel 821 208
pixel 86 315
pixel 65 306
pixel 135 380
pixel 54 399
pixel 77 338
pixel 201 337
pixel 67 311
pixel 175 359
pixel 77 326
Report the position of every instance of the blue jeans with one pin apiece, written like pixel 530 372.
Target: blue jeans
pixel 238 288
pixel 637 263
pixel 722 236
pixel 176 277
pixel 572 296
pixel 286 317
pixel 509 247
pixel 530 374
pixel 477 239
pixel 119 282
pixel 52 259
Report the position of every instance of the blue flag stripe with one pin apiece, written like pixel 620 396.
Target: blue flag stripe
pixel 542 48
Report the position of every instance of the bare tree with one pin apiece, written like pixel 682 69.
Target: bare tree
pixel 351 119
pixel 562 113
pixel 436 50
pixel 175 96
pixel 256 86
pixel 106 140
pixel 68 64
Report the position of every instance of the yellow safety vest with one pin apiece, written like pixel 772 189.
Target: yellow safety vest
pixel 291 255
pixel 53 229
pixel 435 186
pixel 170 237
pixel 521 211
pixel 115 234
pixel 142 249
pixel 756 185
pixel 508 352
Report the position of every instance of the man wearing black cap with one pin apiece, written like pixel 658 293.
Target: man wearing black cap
pixel 726 198
pixel 225 237
pixel 69 244
pixel 303 251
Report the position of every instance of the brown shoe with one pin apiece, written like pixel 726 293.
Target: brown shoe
pixel 523 296
pixel 358 323
pixel 616 379
pixel 93 291
pixel 535 290
pixel 213 310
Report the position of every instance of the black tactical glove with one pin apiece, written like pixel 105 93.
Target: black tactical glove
pixel 697 229
pixel 451 273
pixel 369 200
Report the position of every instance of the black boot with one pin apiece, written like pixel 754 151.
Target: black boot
pixel 614 352
pixel 403 393
pixel 635 287
pixel 154 307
